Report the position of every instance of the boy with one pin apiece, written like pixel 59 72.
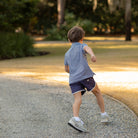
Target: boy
pixel 81 76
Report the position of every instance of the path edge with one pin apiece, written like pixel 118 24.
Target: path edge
pixel 124 105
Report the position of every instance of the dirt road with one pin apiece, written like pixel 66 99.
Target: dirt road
pixel 31 108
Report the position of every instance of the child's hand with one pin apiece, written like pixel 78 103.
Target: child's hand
pixel 93 58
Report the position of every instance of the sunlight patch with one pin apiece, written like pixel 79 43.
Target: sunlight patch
pixel 121 79
pixel 126 79
pixel 20 73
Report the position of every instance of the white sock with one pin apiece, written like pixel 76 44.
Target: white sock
pixel 102 114
pixel 78 119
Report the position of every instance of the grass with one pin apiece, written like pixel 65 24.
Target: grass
pixel 114 59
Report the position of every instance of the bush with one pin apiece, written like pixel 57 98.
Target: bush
pixel 17 13
pixel 13 45
pixel 56 34
pixel 87 25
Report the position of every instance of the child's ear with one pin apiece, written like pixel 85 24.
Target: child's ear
pixel 69 40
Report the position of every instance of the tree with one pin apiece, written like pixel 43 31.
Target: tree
pixel 61 12
pixel 15 13
pixel 128 19
pixel 126 4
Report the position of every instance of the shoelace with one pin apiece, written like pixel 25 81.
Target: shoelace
pixel 81 121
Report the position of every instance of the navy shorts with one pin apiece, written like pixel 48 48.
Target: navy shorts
pixel 86 84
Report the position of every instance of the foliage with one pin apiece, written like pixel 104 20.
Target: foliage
pixel 38 16
pixel 102 18
pixel 135 15
pixel 13 45
pixel 105 22
pixel 56 34
pixel 72 20
pixel 15 13
pixel 46 16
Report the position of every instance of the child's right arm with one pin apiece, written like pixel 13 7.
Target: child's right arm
pixel 91 53
pixel 67 68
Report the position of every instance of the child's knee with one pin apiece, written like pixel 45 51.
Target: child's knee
pixel 78 100
pixel 96 91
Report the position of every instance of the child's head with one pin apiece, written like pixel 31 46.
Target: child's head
pixel 75 34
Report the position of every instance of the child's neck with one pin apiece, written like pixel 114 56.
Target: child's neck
pixel 81 41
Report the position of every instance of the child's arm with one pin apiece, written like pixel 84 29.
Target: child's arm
pixel 91 53
pixel 67 68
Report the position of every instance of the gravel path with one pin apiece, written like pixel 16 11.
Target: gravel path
pixel 31 108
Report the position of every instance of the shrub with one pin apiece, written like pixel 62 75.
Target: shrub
pixel 13 45
pixel 87 25
pixel 17 13
pixel 56 34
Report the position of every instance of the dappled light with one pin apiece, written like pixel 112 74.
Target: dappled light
pixel 117 38
pixel 104 38
pixel 122 79
pixel 122 85
pixel 45 44
pixel 117 47
pixel 51 44
pixel 116 67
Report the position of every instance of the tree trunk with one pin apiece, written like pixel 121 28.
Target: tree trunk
pixel 61 12
pixel 128 19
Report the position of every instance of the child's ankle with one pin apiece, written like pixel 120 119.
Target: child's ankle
pixel 77 118
pixel 102 114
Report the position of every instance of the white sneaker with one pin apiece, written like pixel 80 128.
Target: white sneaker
pixel 77 125
pixel 105 118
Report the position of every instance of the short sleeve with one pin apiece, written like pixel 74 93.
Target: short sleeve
pixel 83 45
pixel 65 60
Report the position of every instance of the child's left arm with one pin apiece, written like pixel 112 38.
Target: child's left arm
pixel 91 53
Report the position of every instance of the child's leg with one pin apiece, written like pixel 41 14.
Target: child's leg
pixel 96 91
pixel 77 103
pixel 75 121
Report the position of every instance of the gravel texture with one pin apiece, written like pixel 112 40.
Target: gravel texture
pixel 31 108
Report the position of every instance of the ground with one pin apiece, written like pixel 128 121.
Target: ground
pixel 36 100
pixel 36 108
pixel 116 66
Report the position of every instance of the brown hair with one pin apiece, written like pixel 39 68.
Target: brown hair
pixel 75 34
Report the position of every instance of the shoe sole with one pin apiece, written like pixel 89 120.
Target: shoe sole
pixel 106 123
pixel 77 128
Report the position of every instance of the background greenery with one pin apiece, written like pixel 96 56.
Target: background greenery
pixel 15 18
pixel 38 16
pixel 13 45
pixel 15 14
